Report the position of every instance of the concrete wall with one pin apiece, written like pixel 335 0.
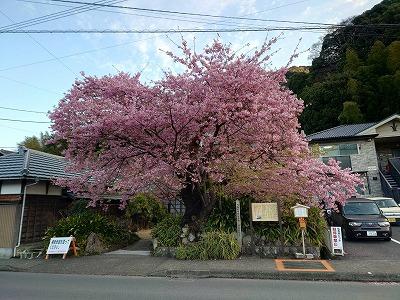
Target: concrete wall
pixel 365 161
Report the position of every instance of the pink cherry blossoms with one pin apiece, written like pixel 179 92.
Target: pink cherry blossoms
pixel 224 119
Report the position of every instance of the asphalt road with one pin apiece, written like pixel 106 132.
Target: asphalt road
pixel 50 286
pixel 374 249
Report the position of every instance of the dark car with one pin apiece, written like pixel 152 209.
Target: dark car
pixel 362 218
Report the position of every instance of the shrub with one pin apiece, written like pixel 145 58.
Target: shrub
pixel 145 210
pixel 223 215
pixel 81 225
pixel 291 233
pixel 224 218
pixel 213 245
pixel 78 207
pixel 168 231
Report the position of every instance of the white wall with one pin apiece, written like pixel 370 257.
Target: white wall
pixel 37 189
pixel 387 131
pixel 54 190
pixel 10 187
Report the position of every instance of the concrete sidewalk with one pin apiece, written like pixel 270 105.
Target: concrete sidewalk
pixel 245 267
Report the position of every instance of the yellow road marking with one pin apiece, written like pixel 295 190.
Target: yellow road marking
pixel 281 267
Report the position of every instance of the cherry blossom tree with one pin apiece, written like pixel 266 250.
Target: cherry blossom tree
pixel 224 120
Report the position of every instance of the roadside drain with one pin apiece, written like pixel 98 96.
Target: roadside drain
pixel 303 265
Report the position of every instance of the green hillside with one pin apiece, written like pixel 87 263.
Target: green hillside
pixel 356 76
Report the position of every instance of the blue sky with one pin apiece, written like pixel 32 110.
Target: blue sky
pixel 35 72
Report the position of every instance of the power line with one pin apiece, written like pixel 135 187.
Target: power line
pixel 42 46
pixel 123 44
pixel 28 84
pixel 57 15
pixel 23 110
pixel 24 121
pixel 160 31
pixel 181 19
pixel 205 15
pixel 76 54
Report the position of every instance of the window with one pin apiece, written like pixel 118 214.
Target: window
pixel 363 189
pixel 344 161
pixel 339 150
pixel 340 153
pixel 361 208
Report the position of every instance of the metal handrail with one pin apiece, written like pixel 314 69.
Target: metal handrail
pixel 383 176
pixel 393 162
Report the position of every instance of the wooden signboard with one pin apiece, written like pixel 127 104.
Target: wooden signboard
pixel 267 212
pixel 61 245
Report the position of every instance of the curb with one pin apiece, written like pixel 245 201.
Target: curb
pixel 8 268
pixel 302 276
pixel 235 274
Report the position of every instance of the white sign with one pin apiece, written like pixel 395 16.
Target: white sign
pixel 337 241
pixel 59 245
pixel 264 212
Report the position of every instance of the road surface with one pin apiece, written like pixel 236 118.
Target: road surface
pixel 50 286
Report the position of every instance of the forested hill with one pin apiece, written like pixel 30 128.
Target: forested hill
pixel 356 76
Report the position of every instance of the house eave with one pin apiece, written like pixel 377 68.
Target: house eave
pixel 346 138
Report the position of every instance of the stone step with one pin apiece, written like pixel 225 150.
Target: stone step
pixel 129 252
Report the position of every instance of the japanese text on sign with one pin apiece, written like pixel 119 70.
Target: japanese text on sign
pixel 59 245
pixel 337 242
pixel 264 212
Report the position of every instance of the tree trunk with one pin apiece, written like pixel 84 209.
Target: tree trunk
pixel 191 197
pixel 198 205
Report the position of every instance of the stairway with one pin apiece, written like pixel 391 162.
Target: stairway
pixel 391 181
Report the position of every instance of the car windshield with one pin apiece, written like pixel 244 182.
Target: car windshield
pixel 385 203
pixel 361 208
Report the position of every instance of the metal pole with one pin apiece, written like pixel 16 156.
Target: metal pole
pixel 280 225
pixel 22 216
pixel 304 246
pixel 253 246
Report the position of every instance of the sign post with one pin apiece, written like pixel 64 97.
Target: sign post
pixel 262 212
pixel 238 224
pixel 61 245
pixel 337 241
pixel 301 212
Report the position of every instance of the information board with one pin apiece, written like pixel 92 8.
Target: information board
pixel 267 212
pixel 337 241
pixel 61 245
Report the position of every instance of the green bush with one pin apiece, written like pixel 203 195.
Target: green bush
pixel 213 245
pixel 291 233
pixel 81 225
pixel 223 215
pixel 78 207
pixel 145 210
pixel 168 231
pixel 224 218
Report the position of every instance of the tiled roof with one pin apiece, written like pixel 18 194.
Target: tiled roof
pixel 342 131
pixel 32 164
pixel 5 152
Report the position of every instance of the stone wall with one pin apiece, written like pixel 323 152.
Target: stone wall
pixel 265 249
pixel 365 162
